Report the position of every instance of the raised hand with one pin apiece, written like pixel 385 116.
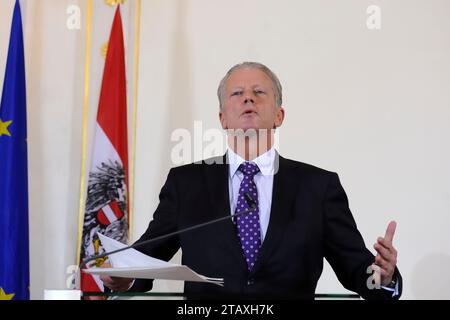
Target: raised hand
pixel 386 257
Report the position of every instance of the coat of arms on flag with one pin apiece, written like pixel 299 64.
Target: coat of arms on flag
pixel 106 210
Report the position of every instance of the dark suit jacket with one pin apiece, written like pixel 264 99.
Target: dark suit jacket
pixel 310 219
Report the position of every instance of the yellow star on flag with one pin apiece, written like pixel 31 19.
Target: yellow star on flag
pixel 4 296
pixel 4 128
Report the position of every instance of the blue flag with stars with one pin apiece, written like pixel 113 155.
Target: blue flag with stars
pixel 14 246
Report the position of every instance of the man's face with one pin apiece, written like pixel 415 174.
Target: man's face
pixel 249 102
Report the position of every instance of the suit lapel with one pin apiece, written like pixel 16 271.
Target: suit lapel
pixel 216 176
pixel 284 188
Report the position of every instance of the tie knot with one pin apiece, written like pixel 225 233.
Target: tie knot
pixel 249 169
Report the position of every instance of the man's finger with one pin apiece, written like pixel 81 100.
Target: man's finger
pixel 383 252
pixel 390 231
pixel 382 263
pixel 384 243
pixel 386 269
pixel 107 281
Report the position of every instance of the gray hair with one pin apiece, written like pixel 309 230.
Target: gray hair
pixel 276 85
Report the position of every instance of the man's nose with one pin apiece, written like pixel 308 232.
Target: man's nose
pixel 249 99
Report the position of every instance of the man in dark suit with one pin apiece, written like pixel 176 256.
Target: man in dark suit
pixel 300 216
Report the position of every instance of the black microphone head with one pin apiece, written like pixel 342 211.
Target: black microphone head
pixel 251 203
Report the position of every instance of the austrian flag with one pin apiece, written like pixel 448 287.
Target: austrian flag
pixel 107 198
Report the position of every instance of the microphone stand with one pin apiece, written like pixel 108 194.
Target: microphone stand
pixel 247 197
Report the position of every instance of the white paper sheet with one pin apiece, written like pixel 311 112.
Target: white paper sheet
pixel 131 263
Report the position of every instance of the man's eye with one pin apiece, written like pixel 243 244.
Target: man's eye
pixel 236 93
pixel 259 92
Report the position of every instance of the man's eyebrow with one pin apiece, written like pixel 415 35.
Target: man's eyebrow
pixel 258 85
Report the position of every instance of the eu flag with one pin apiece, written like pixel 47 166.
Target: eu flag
pixel 14 247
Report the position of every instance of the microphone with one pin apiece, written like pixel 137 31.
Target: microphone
pixel 251 203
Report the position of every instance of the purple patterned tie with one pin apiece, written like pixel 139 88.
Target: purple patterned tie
pixel 249 229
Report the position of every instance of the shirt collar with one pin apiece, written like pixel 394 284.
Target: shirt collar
pixel 265 162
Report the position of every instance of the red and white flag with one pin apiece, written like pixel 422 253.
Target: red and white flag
pixel 107 205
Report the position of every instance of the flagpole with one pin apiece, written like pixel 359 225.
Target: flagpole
pixel 84 139
pixel 133 125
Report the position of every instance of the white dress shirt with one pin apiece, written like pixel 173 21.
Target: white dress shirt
pixel 263 181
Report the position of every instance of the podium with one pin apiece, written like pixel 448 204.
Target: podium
pixel 181 296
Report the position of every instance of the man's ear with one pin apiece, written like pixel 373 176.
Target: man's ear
pixel 223 121
pixel 279 117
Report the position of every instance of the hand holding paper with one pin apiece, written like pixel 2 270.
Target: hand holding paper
pixel 134 264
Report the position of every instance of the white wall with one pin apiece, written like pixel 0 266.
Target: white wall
pixel 372 105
